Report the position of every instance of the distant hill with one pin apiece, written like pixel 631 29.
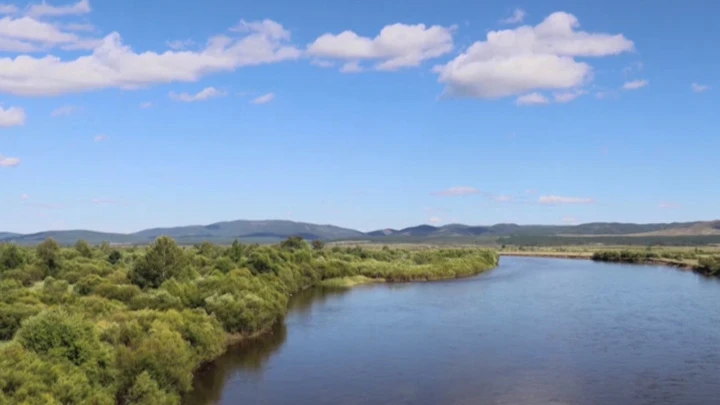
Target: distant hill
pixel 220 232
pixel 271 231
pixel 589 229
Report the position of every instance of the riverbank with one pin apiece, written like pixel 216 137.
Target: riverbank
pixel 701 264
pixel 145 320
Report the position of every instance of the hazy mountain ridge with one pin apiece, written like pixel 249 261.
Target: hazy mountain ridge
pixel 275 230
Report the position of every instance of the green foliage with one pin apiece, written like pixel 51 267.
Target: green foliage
pixel 131 326
pixel 83 249
pixel 162 261
pixel 114 257
pixel 710 265
pixel 49 254
pixel 11 257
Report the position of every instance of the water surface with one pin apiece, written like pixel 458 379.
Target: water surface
pixel 533 331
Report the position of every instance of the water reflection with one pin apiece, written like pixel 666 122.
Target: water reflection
pixel 532 332
pixel 249 356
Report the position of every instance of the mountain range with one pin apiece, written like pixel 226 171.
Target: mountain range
pixel 270 231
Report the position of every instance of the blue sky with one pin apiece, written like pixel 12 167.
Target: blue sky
pixel 119 116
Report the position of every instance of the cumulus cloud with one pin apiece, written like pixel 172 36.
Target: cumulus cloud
pixel 111 64
pixel 322 63
pixel 532 99
pixel 517 16
pixel 554 199
pixel 635 84
pixel 8 9
pixel 434 220
pixel 146 104
pixel 351 67
pixel 100 138
pixel 528 58
pixel 568 96
pixel 24 196
pixel 11 117
pixel 264 99
pixel 64 110
pixel 457 191
pixel 46 10
pixel 180 44
pixel 668 205
pixel 698 88
pixel 80 27
pixel 9 161
pixel 396 46
pixel 204 94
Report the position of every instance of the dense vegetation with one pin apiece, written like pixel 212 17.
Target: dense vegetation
pixel 97 325
pixel 698 260
pixel 679 240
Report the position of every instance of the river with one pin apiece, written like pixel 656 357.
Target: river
pixel 532 331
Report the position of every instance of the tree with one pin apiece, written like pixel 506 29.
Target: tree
pixel 114 257
pixel 83 248
pixel 293 243
pixel 11 257
pixel 318 244
pixel 48 253
pixel 163 260
pixel 236 251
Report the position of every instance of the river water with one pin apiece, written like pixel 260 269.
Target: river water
pixel 532 331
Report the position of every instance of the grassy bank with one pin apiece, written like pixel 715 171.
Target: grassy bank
pixel 96 325
pixel 349 282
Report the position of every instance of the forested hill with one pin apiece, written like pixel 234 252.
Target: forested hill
pixel 271 231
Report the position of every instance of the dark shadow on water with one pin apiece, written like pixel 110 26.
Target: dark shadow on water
pixel 251 355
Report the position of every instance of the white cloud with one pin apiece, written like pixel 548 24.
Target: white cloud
pixel 24 196
pixel 457 191
pixel 146 104
pixel 517 16
pixel 351 67
pixel 100 138
pixel 668 206
pixel 264 99
pixel 568 96
pixel 434 220
pixel 29 29
pixel 532 99
pixel 635 84
pixel 12 117
pixel 569 220
pixel 9 161
pixel 266 27
pixel 527 58
pixel 180 44
pixel 204 94
pixel 81 27
pixel 554 199
pixel 46 10
pixel 115 65
pixel 396 46
pixel 64 110
pixel 8 9
pixel 698 88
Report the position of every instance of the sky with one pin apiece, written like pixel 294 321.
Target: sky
pixel 120 116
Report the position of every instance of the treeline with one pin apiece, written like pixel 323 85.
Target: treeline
pixel 97 325
pixel 700 262
pixel 619 240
